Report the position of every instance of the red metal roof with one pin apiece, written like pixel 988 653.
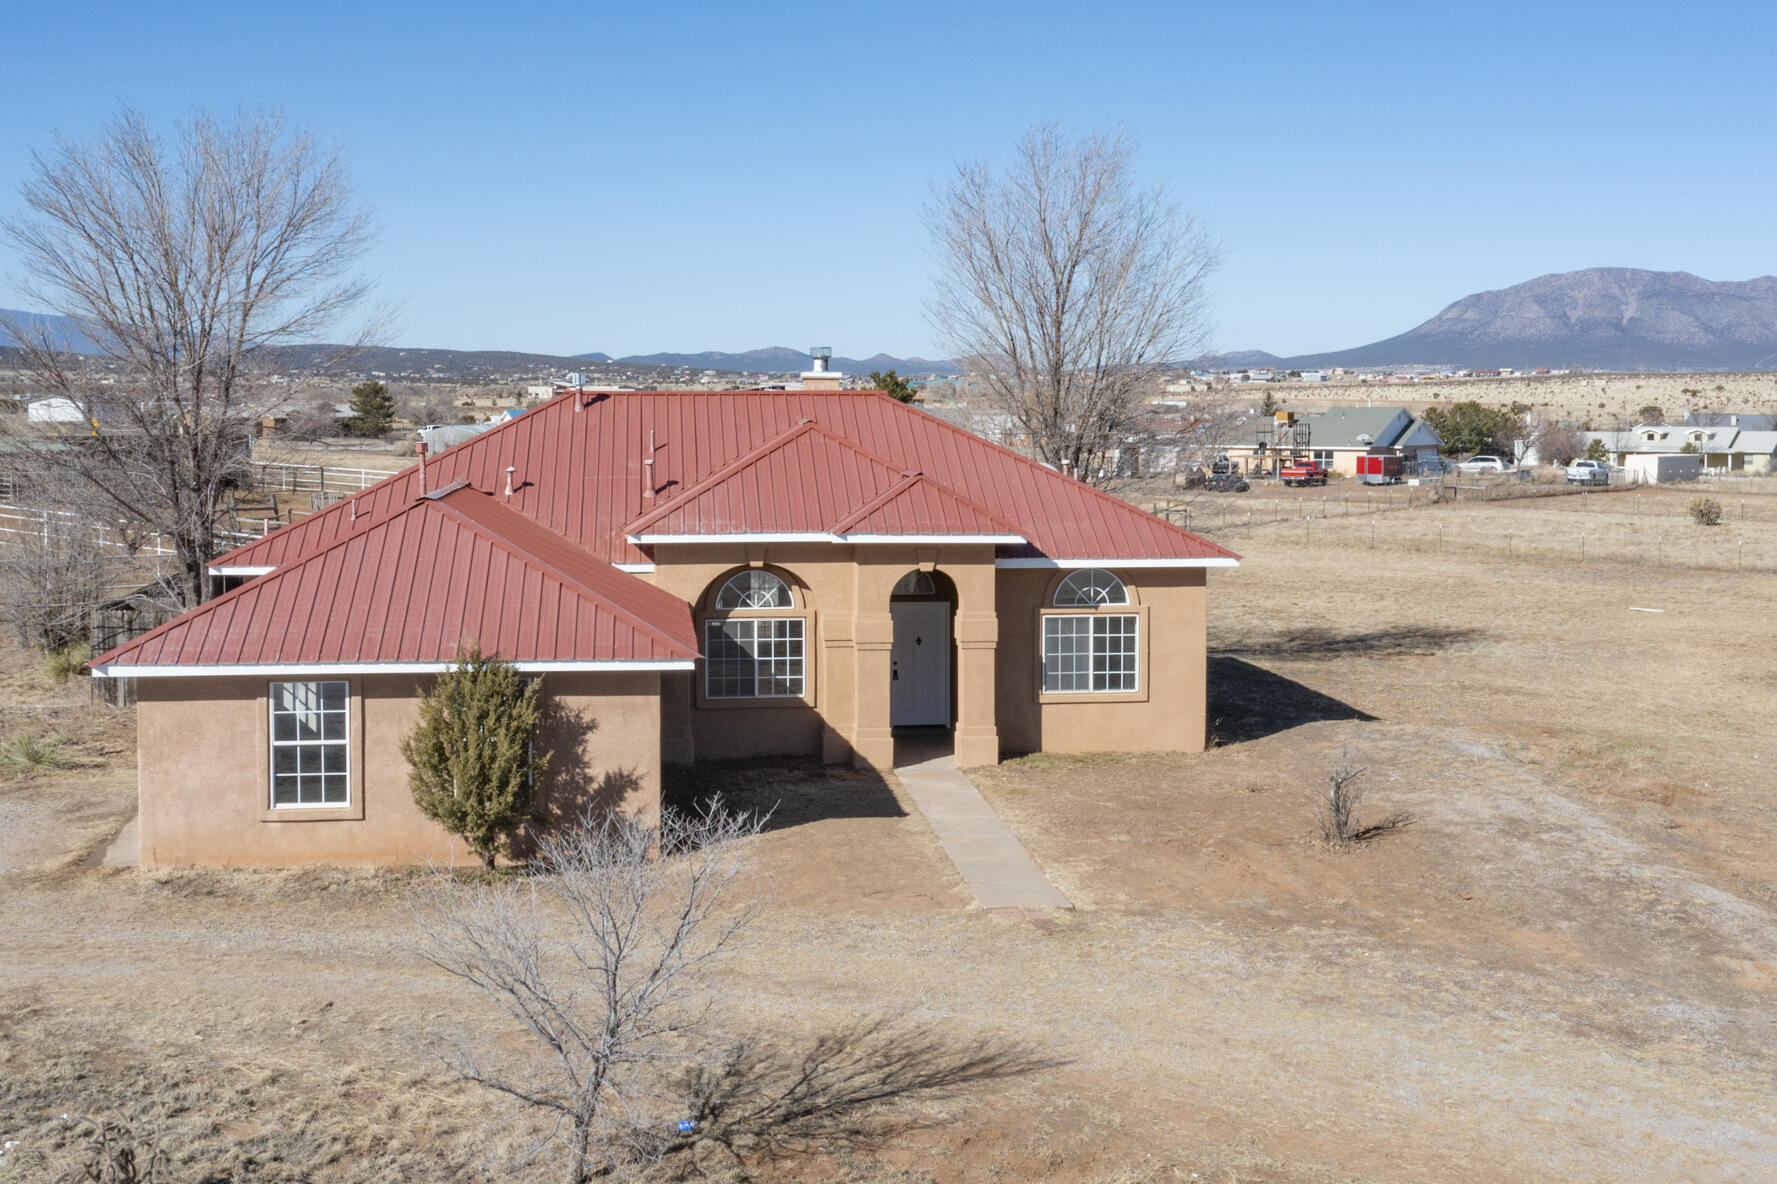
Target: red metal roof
pixel 807 480
pixel 410 585
pixel 579 473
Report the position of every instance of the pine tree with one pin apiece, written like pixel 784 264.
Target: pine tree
pixel 892 385
pixel 472 763
pixel 373 411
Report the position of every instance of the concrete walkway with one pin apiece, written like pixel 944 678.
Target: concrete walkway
pixel 123 851
pixel 993 863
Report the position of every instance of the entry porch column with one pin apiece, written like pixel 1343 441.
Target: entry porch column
pixel 977 651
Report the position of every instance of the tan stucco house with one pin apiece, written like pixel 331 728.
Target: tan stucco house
pixel 693 576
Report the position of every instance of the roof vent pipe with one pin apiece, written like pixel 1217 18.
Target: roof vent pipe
pixel 510 469
pixel 420 449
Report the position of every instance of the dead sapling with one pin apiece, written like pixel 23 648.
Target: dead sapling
pixel 1340 825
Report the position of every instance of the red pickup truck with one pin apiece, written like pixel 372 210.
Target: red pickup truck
pixel 1304 472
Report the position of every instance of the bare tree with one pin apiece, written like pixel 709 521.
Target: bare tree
pixel 1065 289
pixel 599 956
pixel 54 574
pixel 181 262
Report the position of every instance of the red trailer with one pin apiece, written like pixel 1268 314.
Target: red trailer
pixel 1379 470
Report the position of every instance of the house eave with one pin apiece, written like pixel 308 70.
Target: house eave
pixel 328 669
pixel 998 540
pixel 1111 561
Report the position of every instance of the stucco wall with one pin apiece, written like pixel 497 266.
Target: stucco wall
pixel 1165 713
pixel 204 785
pixel 843 594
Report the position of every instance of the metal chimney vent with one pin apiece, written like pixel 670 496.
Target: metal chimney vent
pixel 821 355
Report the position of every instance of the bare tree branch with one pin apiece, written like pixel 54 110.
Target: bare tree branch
pixel 180 262
pixel 599 957
pixel 1065 289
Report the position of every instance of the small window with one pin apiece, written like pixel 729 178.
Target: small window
pixel 754 589
pixel 1089 653
pixel 1091 586
pixel 915 583
pixel 1321 456
pixel 753 658
pixel 309 764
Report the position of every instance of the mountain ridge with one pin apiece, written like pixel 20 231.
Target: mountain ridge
pixel 1600 318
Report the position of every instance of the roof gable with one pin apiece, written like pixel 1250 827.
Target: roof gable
pixel 1342 427
pixel 810 481
pixel 407 588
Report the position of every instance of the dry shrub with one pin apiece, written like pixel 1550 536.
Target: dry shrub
pixel 1705 511
pixel 1340 825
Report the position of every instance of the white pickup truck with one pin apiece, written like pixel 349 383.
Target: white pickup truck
pixel 1588 472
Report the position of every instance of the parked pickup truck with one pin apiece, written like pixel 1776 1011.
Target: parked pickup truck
pixel 1305 472
pixel 1588 472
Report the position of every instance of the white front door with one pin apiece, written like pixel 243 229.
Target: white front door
pixel 919 664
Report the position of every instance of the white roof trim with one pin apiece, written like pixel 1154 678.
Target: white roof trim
pixel 242 570
pixel 1006 540
pixel 1116 563
pixel 649 540
pixel 634 567
pixel 279 670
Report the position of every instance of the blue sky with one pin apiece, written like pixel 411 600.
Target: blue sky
pixel 729 176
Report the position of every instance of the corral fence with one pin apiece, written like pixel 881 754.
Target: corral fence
pixel 41 521
pixel 330 481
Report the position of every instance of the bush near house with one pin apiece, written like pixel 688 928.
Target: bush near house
pixel 1705 511
pixel 473 764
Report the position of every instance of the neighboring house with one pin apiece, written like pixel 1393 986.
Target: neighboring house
pixel 1337 437
pixel 437 439
pixel 61 409
pixel 1731 419
pixel 694 576
pixel 1720 447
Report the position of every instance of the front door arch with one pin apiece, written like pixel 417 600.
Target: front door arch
pixel 920 661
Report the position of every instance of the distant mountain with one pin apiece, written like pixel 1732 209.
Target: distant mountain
pixel 1240 359
pixel 783 360
pixel 63 330
pixel 1603 318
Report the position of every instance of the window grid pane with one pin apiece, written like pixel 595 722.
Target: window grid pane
pixel 1089 653
pixel 754 658
pixel 1088 587
pixel 309 761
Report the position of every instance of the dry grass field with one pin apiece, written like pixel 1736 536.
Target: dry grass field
pixel 1564 969
pixel 1605 399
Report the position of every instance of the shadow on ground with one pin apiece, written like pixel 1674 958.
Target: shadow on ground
pixel 768 1101
pixel 1248 702
pixel 791 791
pixel 1403 641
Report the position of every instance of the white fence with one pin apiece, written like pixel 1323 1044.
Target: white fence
pixel 330 482
pixel 37 521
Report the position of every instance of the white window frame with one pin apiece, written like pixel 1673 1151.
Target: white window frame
pixel 741 606
pixel 1322 456
pixel 1090 574
pixel 344 743
pixel 1093 654
pixel 714 627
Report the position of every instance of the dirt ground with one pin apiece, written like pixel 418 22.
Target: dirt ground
pixel 1564 968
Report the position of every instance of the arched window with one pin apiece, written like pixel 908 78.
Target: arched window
pixel 1090 587
pixel 915 583
pixel 754 650
pixel 1090 652
pixel 754 588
